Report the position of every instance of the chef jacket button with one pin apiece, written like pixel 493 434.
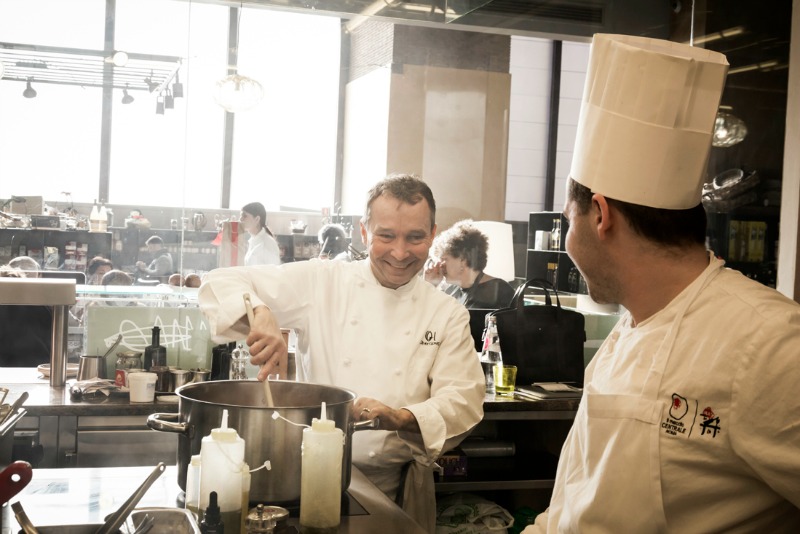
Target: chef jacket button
pixel 353 322
pixel 398 371
pixel 346 362
pixel 372 454
pixel 408 332
pixel 361 284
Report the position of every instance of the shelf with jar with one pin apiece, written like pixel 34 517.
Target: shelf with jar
pixel 54 249
pixel 195 247
pixel 546 257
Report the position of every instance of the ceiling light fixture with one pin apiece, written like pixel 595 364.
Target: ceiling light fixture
pixel 177 87
pixel 159 106
pixel 722 34
pixel 119 59
pixel 236 92
pixel 729 129
pixel 126 98
pixel 169 100
pixel 151 85
pixel 29 91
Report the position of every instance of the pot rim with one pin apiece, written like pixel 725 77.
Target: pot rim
pixel 206 384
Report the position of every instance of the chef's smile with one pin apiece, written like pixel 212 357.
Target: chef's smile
pixel 398 237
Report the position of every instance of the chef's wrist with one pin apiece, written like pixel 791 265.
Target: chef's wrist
pixel 408 421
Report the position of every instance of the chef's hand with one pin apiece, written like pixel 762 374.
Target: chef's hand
pixel 267 347
pixel 434 271
pixel 390 419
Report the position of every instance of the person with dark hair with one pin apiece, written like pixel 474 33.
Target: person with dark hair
pixel 688 421
pixel 459 259
pixel 161 264
pixel 372 326
pixel 115 277
pixel 96 268
pixel 262 248
pixel 332 241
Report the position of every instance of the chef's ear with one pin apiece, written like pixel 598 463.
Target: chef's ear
pixel 364 239
pixel 601 214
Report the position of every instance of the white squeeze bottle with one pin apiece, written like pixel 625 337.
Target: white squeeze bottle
pixel 221 468
pixel 321 476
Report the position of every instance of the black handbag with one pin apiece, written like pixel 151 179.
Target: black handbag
pixel 545 342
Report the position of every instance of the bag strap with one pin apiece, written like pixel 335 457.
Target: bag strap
pixel 518 301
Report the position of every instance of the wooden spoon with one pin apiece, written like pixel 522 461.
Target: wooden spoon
pixel 249 307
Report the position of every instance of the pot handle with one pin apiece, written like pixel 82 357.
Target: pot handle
pixel 369 424
pixel 167 422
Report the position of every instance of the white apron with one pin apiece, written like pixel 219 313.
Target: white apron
pixel 631 422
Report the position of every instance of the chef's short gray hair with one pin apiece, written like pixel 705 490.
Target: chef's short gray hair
pixel 406 188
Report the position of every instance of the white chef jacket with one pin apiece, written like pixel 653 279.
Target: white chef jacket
pixel 408 348
pixel 690 421
pixel 262 249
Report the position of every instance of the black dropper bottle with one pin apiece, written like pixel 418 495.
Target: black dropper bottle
pixel 155 355
pixel 212 519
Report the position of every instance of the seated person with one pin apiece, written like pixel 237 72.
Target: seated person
pixel 116 278
pixel 97 267
pixel 25 331
pixel 161 265
pixel 460 255
pixel 332 241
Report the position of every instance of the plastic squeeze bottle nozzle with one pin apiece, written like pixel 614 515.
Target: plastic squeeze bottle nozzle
pixel 221 467
pixel 321 475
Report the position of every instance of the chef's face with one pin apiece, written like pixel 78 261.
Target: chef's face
pixel 587 253
pixel 398 237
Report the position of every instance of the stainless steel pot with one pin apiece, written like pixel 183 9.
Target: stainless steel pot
pixel 265 437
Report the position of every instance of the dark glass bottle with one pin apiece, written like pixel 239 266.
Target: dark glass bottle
pixel 155 355
pixel 212 519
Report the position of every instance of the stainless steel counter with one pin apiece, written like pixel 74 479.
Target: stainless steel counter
pixel 80 496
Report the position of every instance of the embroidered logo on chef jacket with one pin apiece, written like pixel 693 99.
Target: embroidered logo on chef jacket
pixel 429 339
pixel 682 418
pixel 676 423
pixel 710 425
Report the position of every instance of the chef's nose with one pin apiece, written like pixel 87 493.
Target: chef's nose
pixel 400 249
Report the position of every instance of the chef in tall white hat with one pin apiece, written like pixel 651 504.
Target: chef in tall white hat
pixel 688 421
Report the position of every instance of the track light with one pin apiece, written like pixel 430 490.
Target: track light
pixel 151 85
pixel 177 87
pixel 29 91
pixel 126 98
pixel 169 100
pixel 159 106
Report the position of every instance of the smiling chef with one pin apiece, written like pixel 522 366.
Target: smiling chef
pixel 690 417
pixel 374 327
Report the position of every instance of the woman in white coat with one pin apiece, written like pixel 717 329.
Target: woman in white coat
pixel 262 249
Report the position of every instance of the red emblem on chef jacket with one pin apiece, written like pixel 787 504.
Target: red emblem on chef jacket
pixel 710 425
pixel 679 407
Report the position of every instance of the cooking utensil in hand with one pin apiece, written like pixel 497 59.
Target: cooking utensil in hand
pixel 118 518
pixel 250 317
pixel 23 519
pixel 13 479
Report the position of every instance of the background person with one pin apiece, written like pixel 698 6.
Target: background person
pixel 403 346
pixel 96 268
pixel 262 249
pixel 460 256
pixel 161 265
pixel 332 241
pixel 688 421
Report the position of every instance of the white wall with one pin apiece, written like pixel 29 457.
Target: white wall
pixel 529 118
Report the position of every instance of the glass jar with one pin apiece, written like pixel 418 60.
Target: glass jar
pixel 239 358
pixel 126 360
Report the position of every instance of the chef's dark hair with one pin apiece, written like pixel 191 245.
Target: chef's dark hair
pixel 674 228
pixel 257 209
pixel 406 188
